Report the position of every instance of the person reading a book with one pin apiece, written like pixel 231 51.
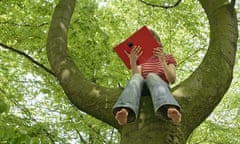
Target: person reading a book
pixel 157 73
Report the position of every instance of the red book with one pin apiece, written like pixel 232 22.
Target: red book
pixel 142 37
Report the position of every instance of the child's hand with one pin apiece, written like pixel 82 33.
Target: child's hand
pixel 158 52
pixel 135 53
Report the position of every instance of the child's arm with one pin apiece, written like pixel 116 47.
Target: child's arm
pixel 169 70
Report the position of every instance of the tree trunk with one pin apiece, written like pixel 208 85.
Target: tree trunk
pixel 198 95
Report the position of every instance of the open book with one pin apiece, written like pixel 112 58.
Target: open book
pixel 142 37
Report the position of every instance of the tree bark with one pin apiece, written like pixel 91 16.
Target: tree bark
pixel 198 95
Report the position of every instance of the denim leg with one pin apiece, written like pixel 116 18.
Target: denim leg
pixel 130 97
pixel 160 93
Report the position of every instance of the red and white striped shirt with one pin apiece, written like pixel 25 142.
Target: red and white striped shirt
pixel 153 65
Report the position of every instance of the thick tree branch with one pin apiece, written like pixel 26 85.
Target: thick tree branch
pixel 205 88
pixel 88 97
pixel 161 6
pixel 28 57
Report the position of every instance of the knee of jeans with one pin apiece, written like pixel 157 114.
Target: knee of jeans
pixel 151 75
pixel 155 77
pixel 138 75
pixel 138 78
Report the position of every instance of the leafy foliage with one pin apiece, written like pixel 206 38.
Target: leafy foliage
pixel 33 107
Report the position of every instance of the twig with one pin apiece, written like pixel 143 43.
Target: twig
pixel 161 6
pixel 27 56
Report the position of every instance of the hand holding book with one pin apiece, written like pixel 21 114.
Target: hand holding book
pixel 158 52
pixel 134 54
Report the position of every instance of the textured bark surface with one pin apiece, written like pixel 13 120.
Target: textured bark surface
pixel 198 95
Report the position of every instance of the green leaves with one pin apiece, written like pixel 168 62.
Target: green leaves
pixel 17 130
pixel 3 107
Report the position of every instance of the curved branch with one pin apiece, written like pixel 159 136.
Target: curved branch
pixel 94 100
pixel 28 57
pixel 161 6
pixel 205 88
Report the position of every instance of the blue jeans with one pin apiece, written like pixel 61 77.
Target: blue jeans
pixel 131 95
